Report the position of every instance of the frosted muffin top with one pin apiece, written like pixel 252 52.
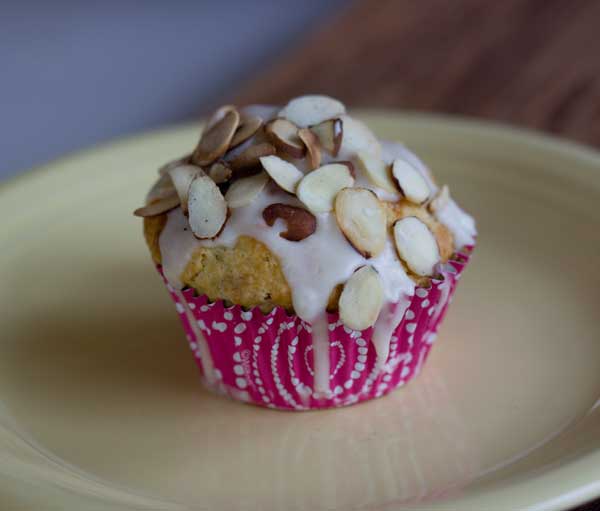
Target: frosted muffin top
pixel 334 204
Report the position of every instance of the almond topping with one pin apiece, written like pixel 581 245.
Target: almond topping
pixel 358 137
pixel 300 222
pixel 251 156
pixel 243 191
pixel 416 245
pixel 362 218
pixel 182 176
pixel 309 110
pixel 216 139
pixel 312 145
pixel 219 172
pixel 207 208
pixel 361 299
pixel 318 189
pixel 218 114
pixel 163 187
pixel 440 201
pixel 410 181
pixel 283 134
pixel 174 163
pixel 249 125
pixel 285 174
pixel 330 135
pixel 377 171
pixel 159 207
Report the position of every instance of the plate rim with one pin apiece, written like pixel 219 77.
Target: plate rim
pixel 577 473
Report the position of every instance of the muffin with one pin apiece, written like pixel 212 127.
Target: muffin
pixel 310 262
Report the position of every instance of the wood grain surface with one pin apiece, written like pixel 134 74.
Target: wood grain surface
pixel 533 63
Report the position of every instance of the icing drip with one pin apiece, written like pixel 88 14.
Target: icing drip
pixel 387 322
pixel 461 224
pixel 320 335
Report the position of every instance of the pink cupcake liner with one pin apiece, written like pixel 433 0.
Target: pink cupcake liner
pixel 267 359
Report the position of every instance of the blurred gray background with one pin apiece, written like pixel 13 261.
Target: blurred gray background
pixel 74 74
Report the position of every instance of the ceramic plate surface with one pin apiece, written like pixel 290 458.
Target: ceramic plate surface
pixel 100 402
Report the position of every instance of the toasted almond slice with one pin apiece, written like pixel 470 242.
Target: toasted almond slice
pixel 243 191
pixel 249 125
pixel 216 139
pixel 410 181
pixel 174 163
pixel 416 245
pixel 300 222
pixel 159 207
pixel 357 137
pixel 182 176
pixel 163 187
pixel 312 146
pixel 251 156
pixel 284 173
pixel 283 134
pixel 220 172
pixel 362 218
pixel 308 110
pixel 218 114
pixel 361 299
pixel 440 201
pixel 207 208
pixel 330 134
pixel 377 171
pixel 318 188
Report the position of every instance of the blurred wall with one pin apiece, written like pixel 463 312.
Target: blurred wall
pixel 73 74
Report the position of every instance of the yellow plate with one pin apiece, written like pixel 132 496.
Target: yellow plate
pixel 100 402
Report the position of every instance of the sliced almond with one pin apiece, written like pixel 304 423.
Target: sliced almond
pixel 283 134
pixel 174 163
pixel 318 189
pixel 249 125
pixel 361 299
pixel 284 173
pixel 243 191
pixel 251 156
pixel 312 146
pixel 308 110
pixel 220 172
pixel 410 181
pixel 377 171
pixel 330 135
pixel 218 114
pixel 216 139
pixel 163 187
pixel 182 176
pixel 440 201
pixel 362 218
pixel 159 207
pixel 300 222
pixel 416 245
pixel 358 137
pixel 207 209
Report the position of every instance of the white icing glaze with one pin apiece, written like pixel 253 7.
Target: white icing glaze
pixel 320 335
pixel 314 266
pixel 389 318
pixel 461 224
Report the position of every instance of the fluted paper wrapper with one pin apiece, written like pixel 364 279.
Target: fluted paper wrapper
pixel 267 359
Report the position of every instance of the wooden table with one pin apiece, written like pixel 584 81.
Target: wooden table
pixel 533 63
